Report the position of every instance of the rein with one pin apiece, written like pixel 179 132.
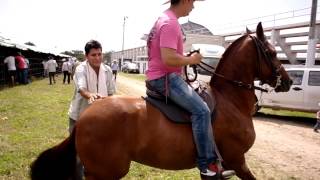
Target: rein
pixel 234 82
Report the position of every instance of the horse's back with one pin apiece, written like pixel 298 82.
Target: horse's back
pixel 111 113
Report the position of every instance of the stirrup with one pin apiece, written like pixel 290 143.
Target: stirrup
pixel 227 174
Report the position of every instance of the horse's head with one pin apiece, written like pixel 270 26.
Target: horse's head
pixel 269 68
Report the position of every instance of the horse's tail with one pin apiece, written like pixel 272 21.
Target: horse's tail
pixel 58 162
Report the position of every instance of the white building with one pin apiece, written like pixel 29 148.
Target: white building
pixel 194 33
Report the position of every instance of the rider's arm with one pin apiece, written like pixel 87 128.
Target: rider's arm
pixel 171 58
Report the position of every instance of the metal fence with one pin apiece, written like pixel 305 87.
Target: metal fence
pixel 278 19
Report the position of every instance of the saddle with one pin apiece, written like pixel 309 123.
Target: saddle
pixel 174 112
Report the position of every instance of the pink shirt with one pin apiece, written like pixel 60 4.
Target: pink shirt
pixel 21 62
pixel 166 33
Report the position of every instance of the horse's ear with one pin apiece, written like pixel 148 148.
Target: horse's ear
pixel 260 33
pixel 248 31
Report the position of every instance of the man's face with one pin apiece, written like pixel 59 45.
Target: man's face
pixel 189 5
pixel 94 57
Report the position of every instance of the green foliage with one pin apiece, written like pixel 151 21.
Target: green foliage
pixel 75 53
pixel 30 43
pixel 107 57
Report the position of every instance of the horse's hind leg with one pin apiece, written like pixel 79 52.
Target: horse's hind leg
pixel 241 168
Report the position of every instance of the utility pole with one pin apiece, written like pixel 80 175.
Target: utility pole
pixel 123 30
pixel 313 38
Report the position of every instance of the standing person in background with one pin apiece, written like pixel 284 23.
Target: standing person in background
pixel 28 77
pixel 317 126
pixel 93 80
pixel 52 67
pixel 45 68
pixel 22 69
pixel 66 71
pixel 115 69
pixel 70 67
pixel 12 70
pixel 75 64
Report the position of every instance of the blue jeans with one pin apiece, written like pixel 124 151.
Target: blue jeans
pixel 183 95
pixel 23 76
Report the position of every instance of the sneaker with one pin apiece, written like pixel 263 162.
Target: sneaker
pixel 226 174
pixel 208 172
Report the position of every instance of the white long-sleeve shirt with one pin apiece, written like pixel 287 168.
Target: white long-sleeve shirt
pixel 79 103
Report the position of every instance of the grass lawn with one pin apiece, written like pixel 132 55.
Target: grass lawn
pixel 287 113
pixel 140 77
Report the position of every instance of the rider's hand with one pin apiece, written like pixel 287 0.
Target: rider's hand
pixel 195 58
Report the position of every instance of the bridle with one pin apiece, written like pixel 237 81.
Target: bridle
pixel 262 51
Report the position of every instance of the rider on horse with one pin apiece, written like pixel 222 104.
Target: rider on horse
pixel 165 55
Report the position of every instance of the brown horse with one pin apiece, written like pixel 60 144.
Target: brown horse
pixel 117 130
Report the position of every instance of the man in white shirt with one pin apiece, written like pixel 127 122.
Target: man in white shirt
pixel 66 71
pixel 52 66
pixel 93 80
pixel 115 69
pixel 12 70
pixel 45 68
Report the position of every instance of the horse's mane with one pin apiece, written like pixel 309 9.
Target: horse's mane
pixel 230 49
pixel 226 54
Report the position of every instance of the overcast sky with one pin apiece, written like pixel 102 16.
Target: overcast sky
pixel 69 24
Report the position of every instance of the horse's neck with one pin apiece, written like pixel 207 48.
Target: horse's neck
pixel 239 67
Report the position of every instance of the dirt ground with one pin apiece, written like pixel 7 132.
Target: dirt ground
pixel 284 148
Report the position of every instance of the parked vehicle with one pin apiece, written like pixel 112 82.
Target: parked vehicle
pixel 304 94
pixel 130 67
pixel 211 55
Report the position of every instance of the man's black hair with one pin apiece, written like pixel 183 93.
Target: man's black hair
pixel 174 2
pixel 92 44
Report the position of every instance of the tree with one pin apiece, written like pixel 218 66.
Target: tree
pixel 75 53
pixel 30 43
pixel 107 57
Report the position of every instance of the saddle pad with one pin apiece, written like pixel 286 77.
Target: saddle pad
pixel 176 113
pixel 173 112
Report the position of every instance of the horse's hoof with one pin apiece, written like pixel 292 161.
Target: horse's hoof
pixel 227 174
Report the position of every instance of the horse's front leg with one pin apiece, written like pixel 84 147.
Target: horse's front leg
pixel 240 166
